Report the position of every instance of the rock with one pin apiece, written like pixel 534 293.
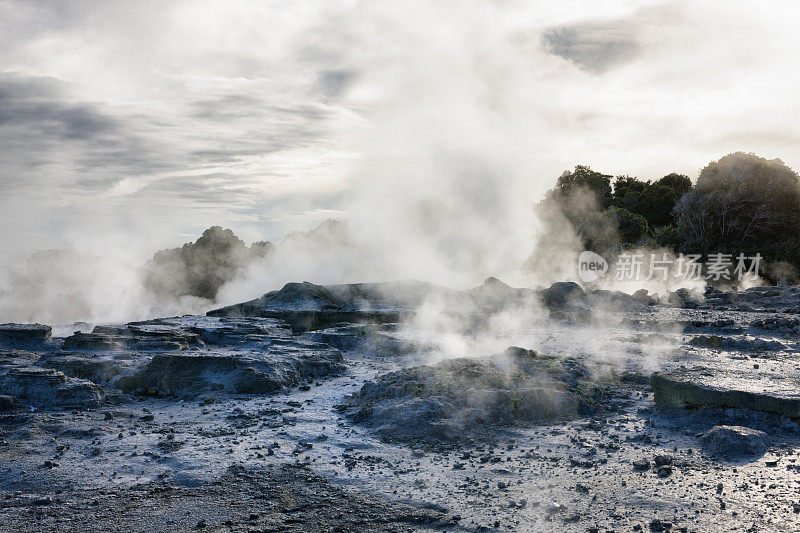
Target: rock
pixel 743 344
pixel 563 293
pixel 734 441
pixel 708 387
pixel 100 370
pixel 517 352
pixel 463 398
pixel 366 337
pixel 306 306
pixel 643 296
pixel 496 294
pixel 46 387
pixel 685 298
pixel 765 298
pixel 663 460
pixel 7 402
pixel 659 525
pixel 91 341
pixel 616 301
pixel 284 364
pixel 24 335
pixel 140 337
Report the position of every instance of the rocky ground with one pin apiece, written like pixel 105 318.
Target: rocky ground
pixel 368 407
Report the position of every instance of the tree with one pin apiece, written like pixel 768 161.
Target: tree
pixel 678 182
pixel 611 229
pixel 201 268
pixel 741 203
pixel 584 177
pixel 654 201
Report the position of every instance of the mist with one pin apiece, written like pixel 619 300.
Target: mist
pixel 428 131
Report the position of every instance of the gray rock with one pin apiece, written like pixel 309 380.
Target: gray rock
pixel 643 296
pixel 496 294
pixel 148 337
pixel 709 387
pixel 734 441
pixel 743 344
pixel 284 364
pixel 685 298
pixel 306 306
pixel 462 398
pixel 616 300
pixel 98 369
pixel 24 335
pixel 564 293
pixel 46 387
pixel 7 402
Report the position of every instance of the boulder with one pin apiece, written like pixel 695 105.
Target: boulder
pixel 94 368
pixel 496 294
pixel 734 441
pixel 616 301
pixel 563 293
pixel 685 298
pixel 460 399
pixel 7 402
pixel 643 296
pixel 742 344
pixel 306 306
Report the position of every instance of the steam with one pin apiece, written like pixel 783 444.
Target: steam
pixel 430 130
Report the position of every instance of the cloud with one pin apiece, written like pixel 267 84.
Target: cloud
pixel 432 127
pixel 594 47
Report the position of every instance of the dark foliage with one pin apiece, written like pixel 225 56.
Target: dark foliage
pixel 654 201
pixel 201 268
pixel 584 177
pixel 743 203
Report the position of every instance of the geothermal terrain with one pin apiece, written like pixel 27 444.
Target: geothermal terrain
pixel 410 407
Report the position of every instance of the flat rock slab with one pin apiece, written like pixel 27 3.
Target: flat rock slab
pixel 47 387
pixel 132 338
pixel 306 306
pixel 283 363
pixel 24 334
pixel 710 387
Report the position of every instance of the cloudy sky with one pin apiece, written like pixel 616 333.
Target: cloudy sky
pixel 144 122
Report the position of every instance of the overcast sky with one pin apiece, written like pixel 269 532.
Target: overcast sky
pixel 143 122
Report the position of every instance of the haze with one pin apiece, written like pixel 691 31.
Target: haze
pixel 127 127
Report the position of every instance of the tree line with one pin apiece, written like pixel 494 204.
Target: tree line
pixel 741 203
